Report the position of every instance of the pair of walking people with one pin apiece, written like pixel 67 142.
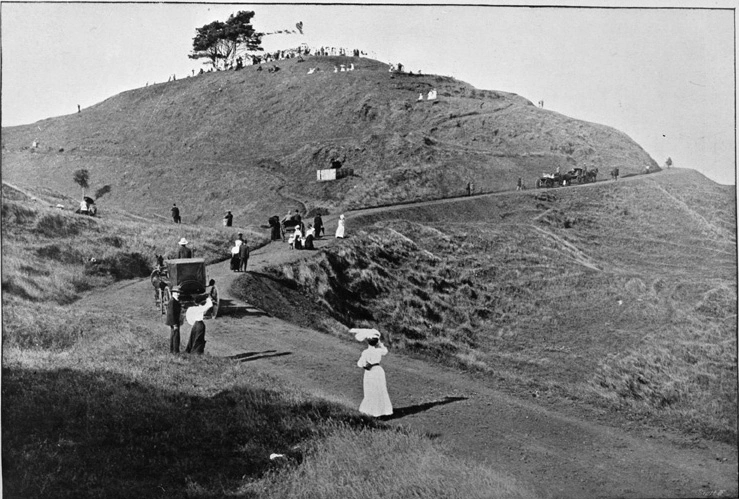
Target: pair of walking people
pixel 194 316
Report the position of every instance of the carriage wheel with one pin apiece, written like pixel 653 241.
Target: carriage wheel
pixel 166 296
pixel 216 301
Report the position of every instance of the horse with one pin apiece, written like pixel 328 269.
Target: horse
pixel 157 275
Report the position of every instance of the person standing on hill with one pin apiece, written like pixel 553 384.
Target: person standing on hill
pixel 376 401
pixel 175 214
pixel 243 256
pixel 228 219
pixel 194 317
pixel 519 184
pixel 318 225
pixel 340 228
pixel 184 251
pixel 174 311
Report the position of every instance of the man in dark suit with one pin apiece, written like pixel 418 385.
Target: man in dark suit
pixel 175 214
pixel 174 310
pixel 244 256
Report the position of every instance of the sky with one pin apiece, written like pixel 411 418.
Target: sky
pixel 664 75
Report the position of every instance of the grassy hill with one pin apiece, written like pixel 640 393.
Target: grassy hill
pixel 93 406
pixel 619 295
pixel 250 141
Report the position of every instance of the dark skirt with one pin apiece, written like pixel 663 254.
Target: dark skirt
pixel 197 338
pixel 235 262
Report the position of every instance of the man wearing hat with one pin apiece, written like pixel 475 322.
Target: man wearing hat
pixel 184 251
pixel 174 310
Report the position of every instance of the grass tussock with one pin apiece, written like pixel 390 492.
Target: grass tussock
pixel 363 464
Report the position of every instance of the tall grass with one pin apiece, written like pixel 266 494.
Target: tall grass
pixel 362 464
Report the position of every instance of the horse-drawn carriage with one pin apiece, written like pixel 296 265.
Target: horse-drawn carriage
pixel 576 176
pixel 188 274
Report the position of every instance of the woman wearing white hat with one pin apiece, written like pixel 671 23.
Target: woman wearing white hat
pixel 340 228
pixel 376 400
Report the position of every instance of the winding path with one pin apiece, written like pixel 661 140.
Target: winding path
pixel 554 452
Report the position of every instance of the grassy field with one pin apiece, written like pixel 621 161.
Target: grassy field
pixel 91 408
pixel 617 296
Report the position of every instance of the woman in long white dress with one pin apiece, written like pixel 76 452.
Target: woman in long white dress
pixel 376 400
pixel 340 228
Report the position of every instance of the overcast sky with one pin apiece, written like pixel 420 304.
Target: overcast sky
pixel 665 76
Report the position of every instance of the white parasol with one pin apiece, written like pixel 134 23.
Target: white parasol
pixel 364 334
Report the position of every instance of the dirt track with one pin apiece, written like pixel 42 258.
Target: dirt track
pixel 557 453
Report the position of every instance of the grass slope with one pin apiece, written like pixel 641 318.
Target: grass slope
pixel 93 407
pixel 251 141
pixel 619 295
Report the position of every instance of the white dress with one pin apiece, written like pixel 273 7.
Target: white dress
pixel 340 228
pixel 376 400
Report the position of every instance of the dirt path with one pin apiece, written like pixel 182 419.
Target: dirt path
pixel 558 455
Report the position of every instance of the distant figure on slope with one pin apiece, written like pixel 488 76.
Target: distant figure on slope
pixel 519 184
pixel 183 251
pixel 175 214
pixel 274 222
pixel 340 228
pixel 420 97
pixel 228 219
pixel 614 173
pixel 310 235
pixel 194 317
pixel 84 208
pixel 318 225
pixel 376 401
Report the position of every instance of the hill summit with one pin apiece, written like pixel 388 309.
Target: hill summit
pixel 250 141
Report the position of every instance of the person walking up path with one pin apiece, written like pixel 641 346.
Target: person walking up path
pixel 340 228
pixel 175 214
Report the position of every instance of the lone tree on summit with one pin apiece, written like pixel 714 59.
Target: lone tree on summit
pixel 222 42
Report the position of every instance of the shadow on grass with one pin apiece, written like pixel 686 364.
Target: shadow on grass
pixel 228 309
pixel 415 409
pixel 73 434
pixel 249 356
